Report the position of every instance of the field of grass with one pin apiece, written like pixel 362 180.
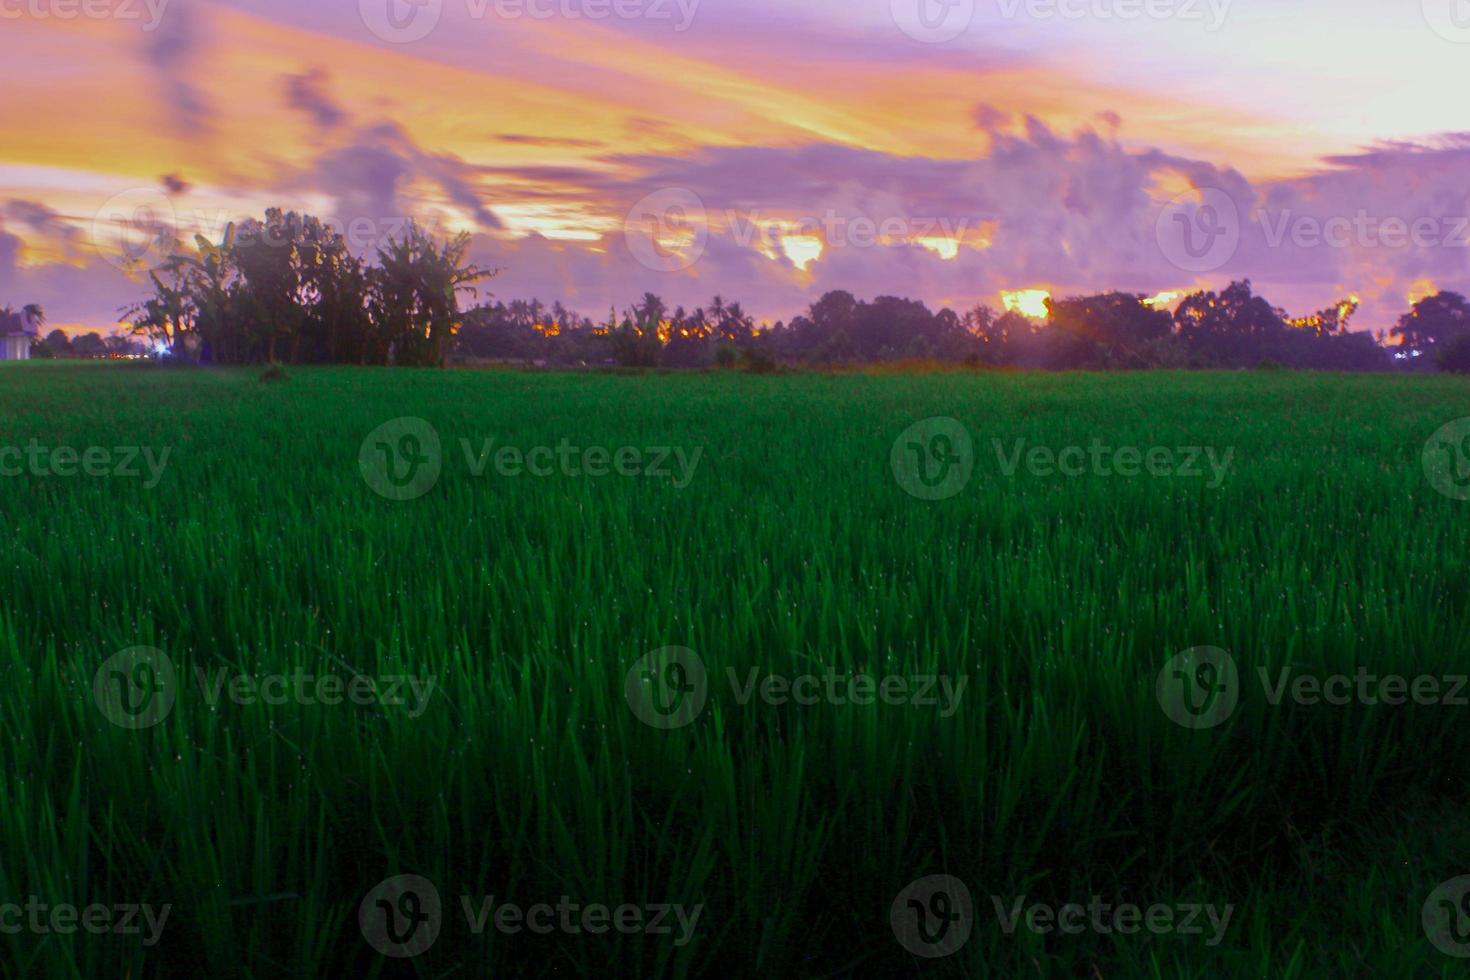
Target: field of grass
pixel 789 545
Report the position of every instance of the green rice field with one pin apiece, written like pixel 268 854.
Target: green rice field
pixel 710 674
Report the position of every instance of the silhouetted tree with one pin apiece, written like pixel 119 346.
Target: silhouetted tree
pixel 1454 355
pixel 414 297
pixel 56 344
pixel 1107 330
pixel 287 287
pixel 1433 320
pixel 1230 328
pixel 89 345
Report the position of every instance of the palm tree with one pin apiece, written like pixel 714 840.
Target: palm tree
pixel 168 314
pixel 416 294
pixel 649 312
pixel 33 314
pixel 737 326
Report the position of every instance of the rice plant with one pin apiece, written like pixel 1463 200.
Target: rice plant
pixel 617 646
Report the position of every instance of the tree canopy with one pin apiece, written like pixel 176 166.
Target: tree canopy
pixel 286 287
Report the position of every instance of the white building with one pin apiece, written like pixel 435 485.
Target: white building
pixel 17 330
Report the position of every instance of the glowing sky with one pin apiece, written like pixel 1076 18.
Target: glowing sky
pixel 764 150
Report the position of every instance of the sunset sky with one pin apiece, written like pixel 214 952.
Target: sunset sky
pixel 767 151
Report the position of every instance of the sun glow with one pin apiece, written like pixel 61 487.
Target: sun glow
pixel 1027 302
pixel 1421 289
pixel 945 248
pixel 1163 299
pixel 802 250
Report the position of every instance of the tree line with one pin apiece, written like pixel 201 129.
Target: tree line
pixel 287 289
pixel 92 344
pixel 1232 328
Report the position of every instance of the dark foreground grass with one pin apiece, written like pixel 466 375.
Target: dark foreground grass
pixel 793 549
